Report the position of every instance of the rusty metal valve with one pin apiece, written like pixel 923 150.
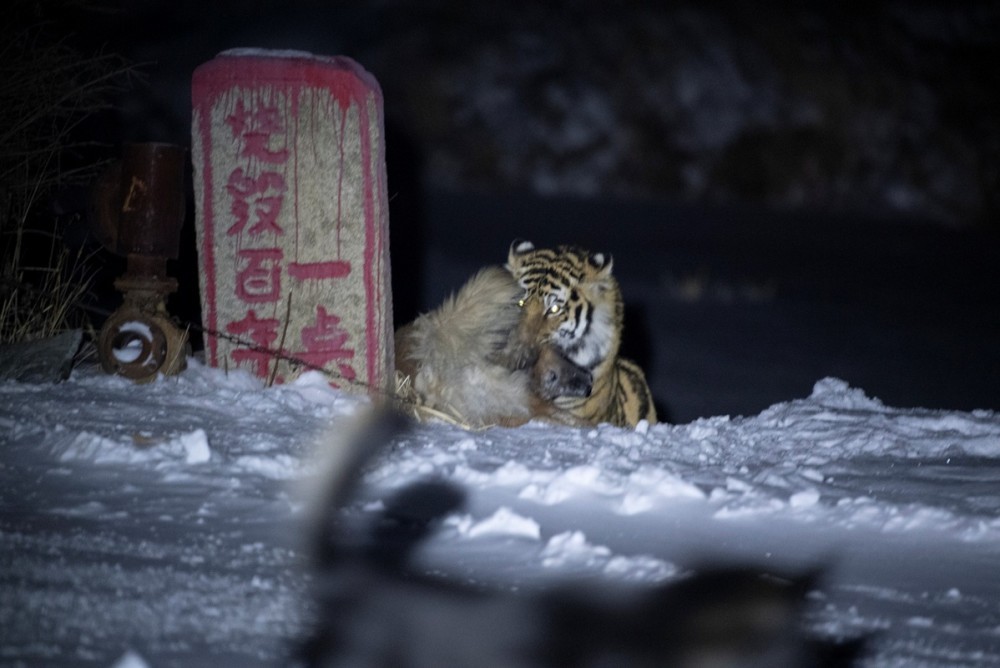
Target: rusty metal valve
pixel 140 210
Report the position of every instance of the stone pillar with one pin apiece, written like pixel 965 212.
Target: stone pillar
pixel 288 151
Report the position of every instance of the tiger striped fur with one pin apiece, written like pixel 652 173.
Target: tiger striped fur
pixel 572 301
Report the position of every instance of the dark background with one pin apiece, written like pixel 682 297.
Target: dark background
pixel 789 191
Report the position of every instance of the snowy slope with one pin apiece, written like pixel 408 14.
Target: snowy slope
pixel 160 523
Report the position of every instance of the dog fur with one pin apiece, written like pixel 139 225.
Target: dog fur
pixel 464 360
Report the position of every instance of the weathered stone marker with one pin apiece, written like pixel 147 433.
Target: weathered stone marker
pixel 292 215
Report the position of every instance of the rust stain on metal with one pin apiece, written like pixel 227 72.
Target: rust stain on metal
pixel 137 189
pixel 139 204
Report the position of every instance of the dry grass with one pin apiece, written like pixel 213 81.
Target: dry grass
pixel 409 400
pixel 40 301
pixel 47 90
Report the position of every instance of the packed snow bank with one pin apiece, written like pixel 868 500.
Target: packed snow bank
pixel 160 523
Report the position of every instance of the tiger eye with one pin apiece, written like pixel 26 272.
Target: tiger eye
pixel 520 303
pixel 555 308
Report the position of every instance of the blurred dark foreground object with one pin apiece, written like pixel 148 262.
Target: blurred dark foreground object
pixel 375 609
pixel 48 360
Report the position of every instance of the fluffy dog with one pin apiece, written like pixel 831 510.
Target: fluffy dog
pixel 463 359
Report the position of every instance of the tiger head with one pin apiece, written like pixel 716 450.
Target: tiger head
pixel 570 300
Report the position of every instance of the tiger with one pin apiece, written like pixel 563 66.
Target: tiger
pixel 572 301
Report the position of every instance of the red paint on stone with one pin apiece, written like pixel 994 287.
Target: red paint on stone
pixel 318 270
pixel 269 74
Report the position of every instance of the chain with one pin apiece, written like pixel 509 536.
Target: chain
pixel 279 355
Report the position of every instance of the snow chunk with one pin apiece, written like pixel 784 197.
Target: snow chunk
pixel 503 522
pixel 706 428
pixel 199 376
pixel 643 488
pixel 275 467
pixel 512 473
pixel 620 437
pixel 664 483
pixel 804 499
pixel 750 508
pixel 131 351
pixel 315 386
pixel 557 487
pixel 640 568
pixel 130 659
pixel 191 448
pixel 633 503
pixel 836 393
pixel 572 548
pixel 92 510
pixel 920 622
pixel 195 446
pixel 465 444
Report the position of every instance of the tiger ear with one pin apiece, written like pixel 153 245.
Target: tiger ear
pixel 602 262
pixel 517 248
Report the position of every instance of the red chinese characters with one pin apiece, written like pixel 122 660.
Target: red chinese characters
pixel 255 127
pixel 256 189
pixel 259 198
pixel 324 342
pixel 261 331
pixel 258 275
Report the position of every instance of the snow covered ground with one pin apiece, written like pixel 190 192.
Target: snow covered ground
pixel 158 525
